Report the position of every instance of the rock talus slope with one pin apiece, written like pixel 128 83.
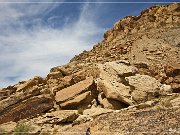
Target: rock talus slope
pixel 129 83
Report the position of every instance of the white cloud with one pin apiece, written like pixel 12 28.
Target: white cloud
pixel 26 52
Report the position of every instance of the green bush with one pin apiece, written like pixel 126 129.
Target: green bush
pixel 22 128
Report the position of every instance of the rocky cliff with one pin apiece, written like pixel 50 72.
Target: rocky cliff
pixel 129 83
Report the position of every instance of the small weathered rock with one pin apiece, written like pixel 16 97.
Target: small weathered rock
pixel 54 75
pixel 139 96
pixel 93 112
pixel 172 70
pixel 35 129
pixel 175 102
pixel 165 89
pixel 82 119
pixel 146 104
pixel 30 83
pixel 6 92
pixel 62 69
pixel 7 127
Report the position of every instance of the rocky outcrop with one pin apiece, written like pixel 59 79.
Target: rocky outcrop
pixel 61 84
pixel 149 39
pixel 111 82
pixel 30 84
pixel 132 122
pixel 77 95
pixel 130 76
pixel 145 87
pixel 6 92
pixel 120 85
pixel 26 109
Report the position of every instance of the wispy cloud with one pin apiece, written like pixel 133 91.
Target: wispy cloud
pixel 26 52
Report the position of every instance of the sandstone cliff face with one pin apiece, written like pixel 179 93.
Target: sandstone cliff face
pixel 150 41
pixel 128 83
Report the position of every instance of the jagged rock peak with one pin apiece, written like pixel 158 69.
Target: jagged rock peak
pixel 156 16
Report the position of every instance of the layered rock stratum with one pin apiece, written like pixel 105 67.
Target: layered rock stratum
pixel 129 83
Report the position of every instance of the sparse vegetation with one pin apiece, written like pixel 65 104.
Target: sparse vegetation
pixel 22 128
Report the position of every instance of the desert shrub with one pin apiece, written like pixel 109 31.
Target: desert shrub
pixel 22 128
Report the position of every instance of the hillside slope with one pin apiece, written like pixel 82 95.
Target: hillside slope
pixel 129 83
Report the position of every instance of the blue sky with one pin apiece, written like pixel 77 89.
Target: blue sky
pixel 35 37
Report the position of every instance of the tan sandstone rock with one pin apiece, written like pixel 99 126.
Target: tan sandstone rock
pixel 7 127
pixel 57 117
pixel 145 87
pixel 26 109
pixel 17 97
pixel 30 83
pixel 71 96
pixel 117 92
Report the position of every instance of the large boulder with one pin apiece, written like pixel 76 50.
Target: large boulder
pixel 79 94
pixel 121 68
pixel 26 109
pixel 116 91
pixel 61 84
pixel 57 117
pixel 112 83
pixel 110 103
pixel 116 71
pixel 119 82
pixel 81 101
pixel 145 87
